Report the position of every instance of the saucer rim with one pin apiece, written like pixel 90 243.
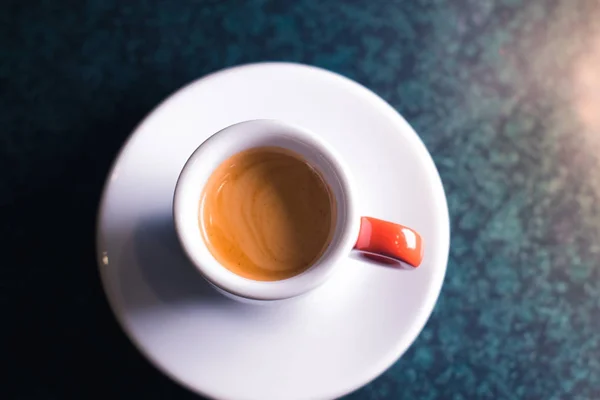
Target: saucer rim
pixel 375 370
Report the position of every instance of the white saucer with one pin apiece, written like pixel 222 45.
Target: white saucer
pixel 320 346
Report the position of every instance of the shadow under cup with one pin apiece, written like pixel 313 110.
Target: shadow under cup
pixel 256 134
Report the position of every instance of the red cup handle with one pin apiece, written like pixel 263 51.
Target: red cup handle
pixel 386 239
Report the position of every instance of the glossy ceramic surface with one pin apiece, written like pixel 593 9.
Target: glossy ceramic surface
pixel 322 345
pixel 256 133
pixel 390 240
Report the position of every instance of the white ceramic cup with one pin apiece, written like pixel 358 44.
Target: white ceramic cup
pixel 350 231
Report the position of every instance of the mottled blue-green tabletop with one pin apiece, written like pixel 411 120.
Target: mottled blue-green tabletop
pixel 504 93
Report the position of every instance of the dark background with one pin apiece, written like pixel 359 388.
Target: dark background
pixel 505 94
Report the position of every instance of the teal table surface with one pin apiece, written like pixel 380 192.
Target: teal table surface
pixel 504 93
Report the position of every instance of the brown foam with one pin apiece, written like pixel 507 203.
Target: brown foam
pixel 266 214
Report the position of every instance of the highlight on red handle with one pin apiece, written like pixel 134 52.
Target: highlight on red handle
pixel 395 241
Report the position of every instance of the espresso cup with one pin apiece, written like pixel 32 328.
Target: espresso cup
pixel 352 231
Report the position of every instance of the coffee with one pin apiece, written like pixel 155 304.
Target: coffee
pixel 266 214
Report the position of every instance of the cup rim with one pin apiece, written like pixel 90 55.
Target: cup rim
pixel 214 151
